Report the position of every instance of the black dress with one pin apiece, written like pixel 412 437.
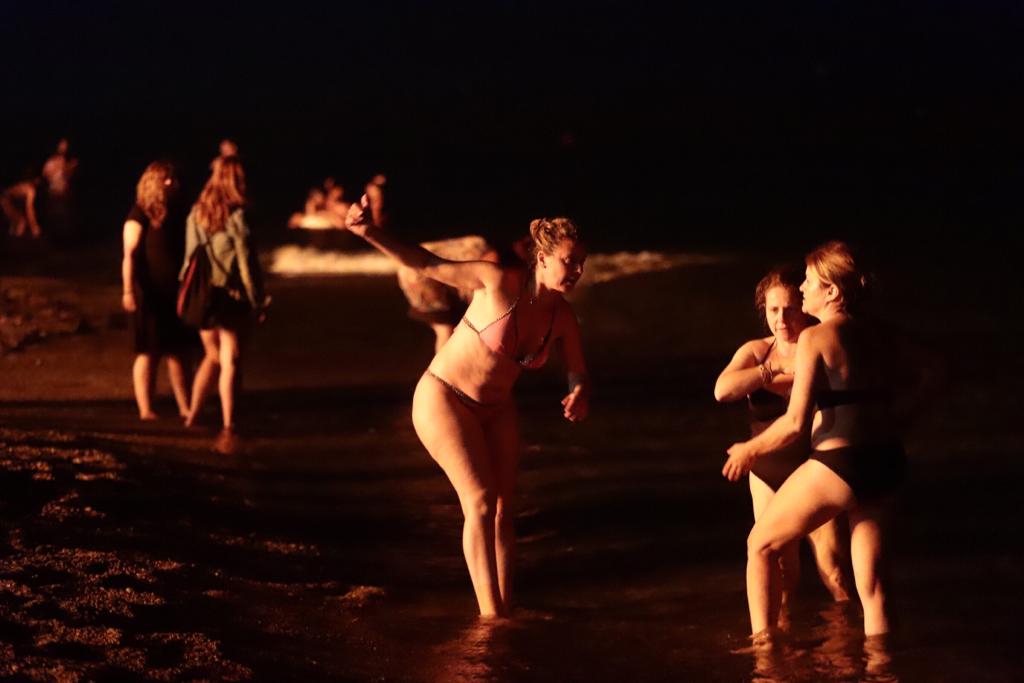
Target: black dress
pixel 157 260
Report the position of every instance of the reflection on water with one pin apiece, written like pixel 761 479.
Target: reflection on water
pixel 471 654
pixel 833 649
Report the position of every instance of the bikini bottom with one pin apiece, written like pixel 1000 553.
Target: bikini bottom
pixel 483 411
pixel 775 468
pixel 873 471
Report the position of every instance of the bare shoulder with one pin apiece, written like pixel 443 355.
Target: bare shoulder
pixel 759 347
pixel 753 351
pixel 564 314
pixel 820 336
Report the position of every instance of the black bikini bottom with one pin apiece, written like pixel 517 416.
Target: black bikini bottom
pixel 873 471
pixel 775 468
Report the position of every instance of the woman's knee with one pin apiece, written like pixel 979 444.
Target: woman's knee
pixel 761 544
pixel 503 512
pixel 480 507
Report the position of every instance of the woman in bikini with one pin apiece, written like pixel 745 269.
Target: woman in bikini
pixel 463 410
pixel 761 372
pixel 845 370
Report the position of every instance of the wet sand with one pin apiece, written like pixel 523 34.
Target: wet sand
pixel 328 547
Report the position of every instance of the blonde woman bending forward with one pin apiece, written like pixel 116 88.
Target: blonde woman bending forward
pixel 463 410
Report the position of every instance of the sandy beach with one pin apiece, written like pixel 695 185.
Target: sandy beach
pixel 328 547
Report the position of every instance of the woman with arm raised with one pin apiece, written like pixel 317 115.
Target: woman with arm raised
pixel 462 409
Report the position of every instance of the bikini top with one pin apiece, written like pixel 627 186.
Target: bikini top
pixel 502 337
pixel 766 406
pixel 830 398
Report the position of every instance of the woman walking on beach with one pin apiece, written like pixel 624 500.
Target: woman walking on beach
pixel 153 243
pixel 844 374
pixel 463 410
pixel 761 371
pixel 217 224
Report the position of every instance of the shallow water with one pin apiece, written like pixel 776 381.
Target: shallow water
pixel 328 547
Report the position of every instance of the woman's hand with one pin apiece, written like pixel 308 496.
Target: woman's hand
pixel 128 302
pixel 261 310
pixel 359 218
pixel 576 404
pixel 739 462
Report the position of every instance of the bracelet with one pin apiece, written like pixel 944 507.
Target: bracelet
pixel 766 374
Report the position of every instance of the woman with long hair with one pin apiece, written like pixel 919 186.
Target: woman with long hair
pixel 152 237
pixel 217 224
pixel 761 371
pixel 462 409
pixel 846 370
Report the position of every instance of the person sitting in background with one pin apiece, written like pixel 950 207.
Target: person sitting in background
pixel 334 201
pixel 325 210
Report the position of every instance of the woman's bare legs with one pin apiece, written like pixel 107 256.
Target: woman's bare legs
pixel 204 373
pixel 866 534
pixel 830 554
pixel 453 436
pixel 760 495
pixel 176 375
pixel 812 495
pixel 229 372
pixel 502 435
pixel 143 380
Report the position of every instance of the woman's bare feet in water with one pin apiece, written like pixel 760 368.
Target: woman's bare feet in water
pixel 766 640
pixel 227 442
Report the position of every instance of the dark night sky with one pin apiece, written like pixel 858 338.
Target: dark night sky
pixel 746 116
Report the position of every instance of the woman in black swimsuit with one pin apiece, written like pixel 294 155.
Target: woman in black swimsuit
pixel 761 372
pixel 841 384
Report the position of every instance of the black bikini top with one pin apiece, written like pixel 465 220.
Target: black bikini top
pixel 766 406
pixel 830 398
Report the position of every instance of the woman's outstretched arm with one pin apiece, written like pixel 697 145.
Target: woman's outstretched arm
pixel 466 275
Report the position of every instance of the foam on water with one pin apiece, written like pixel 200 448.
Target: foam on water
pixel 293 261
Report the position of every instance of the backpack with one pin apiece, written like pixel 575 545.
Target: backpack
pixel 195 295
